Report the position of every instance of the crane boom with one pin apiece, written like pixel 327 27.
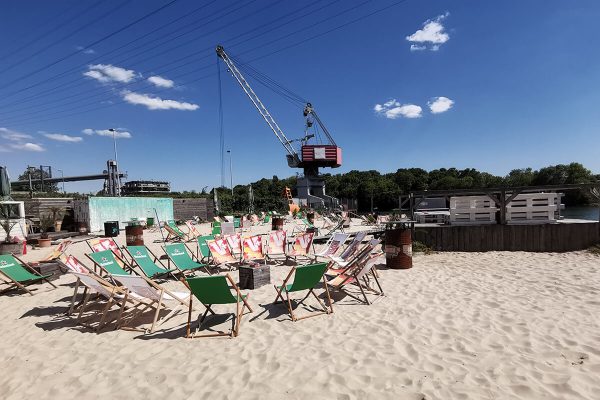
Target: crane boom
pixel 292 156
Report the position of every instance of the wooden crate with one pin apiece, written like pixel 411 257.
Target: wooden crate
pixel 533 208
pixel 254 277
pixel 476 210
pixel 49 268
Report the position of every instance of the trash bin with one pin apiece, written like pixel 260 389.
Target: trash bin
pixel 111 229
pixel 134 235
pixel 277 224
pixel 150 222
pixel 398 245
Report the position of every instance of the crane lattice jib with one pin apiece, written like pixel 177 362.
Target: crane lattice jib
pixel 257 103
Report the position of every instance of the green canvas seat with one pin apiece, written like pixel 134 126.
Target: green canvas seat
pixel 17 274
pixel 216 228
pixel 203 250
pixel 178 254
pixel 211 290
pixel 174 232
pixel 146 261
pixel 306 277
pixel 107 262
pixel 237 223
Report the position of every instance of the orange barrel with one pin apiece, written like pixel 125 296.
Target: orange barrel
pixel 134 235
pixel 398 248
pixel 277 223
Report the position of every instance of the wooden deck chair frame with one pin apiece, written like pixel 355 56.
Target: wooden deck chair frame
pixel 58 251
pixel 193 233
pixel 157 303
pixel 14 284
pixel 98 240
pixel 239 313
pixel 172 235
pixel 357 276
pixel 200 256
pixel 132 263
pixel 356 258
pixel 337 239
pixel 288 301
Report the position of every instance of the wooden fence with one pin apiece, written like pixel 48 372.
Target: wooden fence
pixel 184 209
pixel 539 238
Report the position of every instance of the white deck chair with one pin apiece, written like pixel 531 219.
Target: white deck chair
pixel 361 276
pixel 350 250
pixel 151 295
pixel 227 228
pixel 333 245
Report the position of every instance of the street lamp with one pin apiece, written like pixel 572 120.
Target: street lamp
pixel 230 171
pixel 116 161
pixel 63 179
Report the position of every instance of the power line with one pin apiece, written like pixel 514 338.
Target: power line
pixel 90 45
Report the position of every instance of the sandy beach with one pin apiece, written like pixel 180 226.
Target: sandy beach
pixel 494 325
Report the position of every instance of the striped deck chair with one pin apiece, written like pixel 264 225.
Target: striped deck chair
pixel 58 251
pixel 17 274
pixel 301 247
pixel 277 246
pixel 333 245
pixel 253 249
pixel 362 275
pixel 151 296
pixel 235 244
pixel 351 249
pixel 101 244
pixel 221 254
pixel 338 265
pixel 193 231
pixel 74 265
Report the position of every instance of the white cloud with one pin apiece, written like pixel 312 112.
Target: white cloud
pixel 393 109
pixel 106 73
pixel 119 133
pixel 63 138
pixel 156 103
pixel 85 51
pixel 161 82
pixel 9 134
pixel 28 146
pixel 440 104
pixel 432 34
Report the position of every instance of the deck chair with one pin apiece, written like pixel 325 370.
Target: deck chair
pixel 193 231
pixel 57 251
pixel 146 261
pixel 235 245
pixel 350 250
pixel 71 263
pixel 237 222
pixel 227 228
pixel 18 274
pixel 333 245
pixel 253 249
pixel 303 225
pixel 221 254
pixel 267 218
pixel 254 219
pixel 101 244
pixel 211 290
pixel 306 277
pixel 111 294
pixel 151 296
pixel 178 254
pixel 174 233
pixel 338 265
pixel 216 228
pixel 360 276
pixel 277 246
pixel 107 262
pixel 203 252
pixel 301 247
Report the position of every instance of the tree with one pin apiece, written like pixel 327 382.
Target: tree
pixel 37 187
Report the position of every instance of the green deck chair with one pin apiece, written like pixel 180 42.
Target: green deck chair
pixel 177 252
pixel 306 277
pixel 237 223
pixel 267 218
pixel 107 262
pixel 19 274
pixel 203 250
pixel 216 228
pixel 146 261
pixel 211 290
pixel 180 234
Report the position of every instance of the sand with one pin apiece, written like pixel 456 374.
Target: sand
pixel 494 325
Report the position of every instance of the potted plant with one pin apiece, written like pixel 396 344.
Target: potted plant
pixel 57 216
pixel 7 222
pixel 46 222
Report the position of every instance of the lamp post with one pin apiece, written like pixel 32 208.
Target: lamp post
pixel 62 176
pixel 116 161
pixel 230 171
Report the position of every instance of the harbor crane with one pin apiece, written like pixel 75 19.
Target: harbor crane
pixel 310 187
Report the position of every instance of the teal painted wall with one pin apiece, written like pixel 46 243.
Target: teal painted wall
pixel 123 209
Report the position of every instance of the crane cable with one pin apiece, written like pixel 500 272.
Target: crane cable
pixel 221 127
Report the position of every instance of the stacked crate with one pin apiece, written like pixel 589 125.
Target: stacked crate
pixel 472 210
pixel 533 208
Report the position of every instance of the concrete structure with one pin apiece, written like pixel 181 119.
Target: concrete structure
pixel 133 187
pixel 94 211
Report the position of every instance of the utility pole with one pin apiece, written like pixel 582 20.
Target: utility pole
pixel 118 181
pixel 230 171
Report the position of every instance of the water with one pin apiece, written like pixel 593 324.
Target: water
pixel 589 213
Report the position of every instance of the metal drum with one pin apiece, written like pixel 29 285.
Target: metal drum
pixel 398 248
pixel 134 235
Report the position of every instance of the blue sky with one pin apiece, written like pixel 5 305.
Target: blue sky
pixel 430 84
